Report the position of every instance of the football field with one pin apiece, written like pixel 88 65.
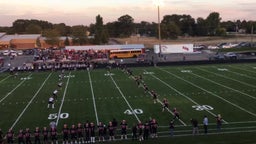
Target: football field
pixel 99 96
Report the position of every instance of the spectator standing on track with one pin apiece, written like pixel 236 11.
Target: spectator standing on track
pixel 171 126
pixel 219 122
pixel 194 123
pixel 37 135
pixel 205 123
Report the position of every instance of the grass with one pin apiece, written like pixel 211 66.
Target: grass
pixel 97 95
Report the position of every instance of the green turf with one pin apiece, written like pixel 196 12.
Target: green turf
pixel 97 95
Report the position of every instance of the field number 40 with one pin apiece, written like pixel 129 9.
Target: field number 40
pixel 55 115
pixel 135 111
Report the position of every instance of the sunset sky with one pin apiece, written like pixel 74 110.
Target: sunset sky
pixel 75 12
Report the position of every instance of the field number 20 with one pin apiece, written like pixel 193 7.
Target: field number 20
pixel 55 115
pixel 135 111
pixel 202 107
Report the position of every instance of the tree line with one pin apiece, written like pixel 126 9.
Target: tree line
pixel 172 26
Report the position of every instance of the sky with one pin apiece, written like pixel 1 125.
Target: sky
pixel 83 12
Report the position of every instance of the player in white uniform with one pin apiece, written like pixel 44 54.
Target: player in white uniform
pixel 50 102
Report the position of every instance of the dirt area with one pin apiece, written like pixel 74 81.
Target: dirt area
pixel 150 41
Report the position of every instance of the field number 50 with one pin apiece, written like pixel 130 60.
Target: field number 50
pixel 55 115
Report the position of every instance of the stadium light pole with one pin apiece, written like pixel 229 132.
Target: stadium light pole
pixel 158 3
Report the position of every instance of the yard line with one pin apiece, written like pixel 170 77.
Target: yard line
pixel 13 89
pixel 183 123
pixel 125 98
pixel 5 78
pixel 30 101
pixel 244 75
pixel 224 86
pixel 63 98
pixel 242 69
pixel 227 77
pixel 93 97
pixel 235 105
pixel 184 95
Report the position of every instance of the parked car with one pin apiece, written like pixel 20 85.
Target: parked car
pixel 230 55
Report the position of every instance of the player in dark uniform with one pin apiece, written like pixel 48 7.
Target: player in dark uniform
pixel 73 134
pixel 21 137
pixel 171 126
pixel 37 135
pixel 101 131
pixel 65 133
pixel 87 132
pixel 134 132
pixel 123 129
pixel 92 130
pixel 140 128
pixel 145 87
pixel 10 136
pixel 45 135
pixel 28 136
pixel 146 130
pixel 154 95
pixel 80 133
pixel 53 132
pixel 1 137
pixel 165 104
pixel 111 130
pixel 176 114
pixel 154 126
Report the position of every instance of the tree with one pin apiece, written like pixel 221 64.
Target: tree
pixel 170 31
pixel 101 36
pixel 52 37
pixel 125 25
pixel 33 29
pixel 201 27
pixel 79 34
pixel 213 22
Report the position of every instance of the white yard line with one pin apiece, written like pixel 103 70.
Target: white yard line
pixel 223 86
pixel 242 69
pixel 5 78
pixel 62 101
pixel 235 105
pixel 125 99
pixel 184 95
pixel 30 101
pixel 227 77
pixel 93 98
pixel 243 75
pixel 13 89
